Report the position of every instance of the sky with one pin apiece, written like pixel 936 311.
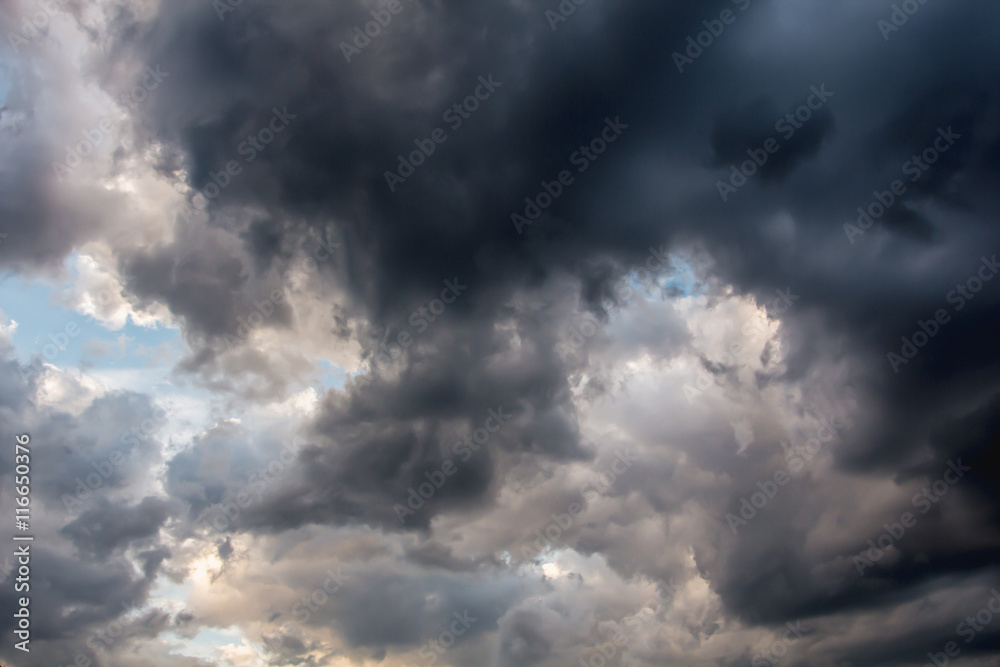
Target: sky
pixel 515 333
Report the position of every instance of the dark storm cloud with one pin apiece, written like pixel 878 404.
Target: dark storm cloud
pixel 739 132
pixel 402 245
pixel 105 528
pixel 389 436
pixel 71 597
pixel 199 279
pixel 307 169
pixel 452 216
pixel 495 346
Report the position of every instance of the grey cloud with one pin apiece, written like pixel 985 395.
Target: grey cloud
pixel 497 343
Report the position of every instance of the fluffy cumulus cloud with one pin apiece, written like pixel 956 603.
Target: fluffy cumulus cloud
pixel 511 333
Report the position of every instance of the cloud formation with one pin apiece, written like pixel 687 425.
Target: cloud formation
pixel 344 343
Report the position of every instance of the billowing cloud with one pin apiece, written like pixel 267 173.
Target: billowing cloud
pixel 642 334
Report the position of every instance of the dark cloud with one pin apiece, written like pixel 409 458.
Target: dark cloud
pixel 740 135
pixel 105 528
pixel 76 594
pixel 497 344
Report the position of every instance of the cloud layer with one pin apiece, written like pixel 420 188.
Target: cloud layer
pixel 671 313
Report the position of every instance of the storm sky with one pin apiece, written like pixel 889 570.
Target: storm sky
pixel 504 333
